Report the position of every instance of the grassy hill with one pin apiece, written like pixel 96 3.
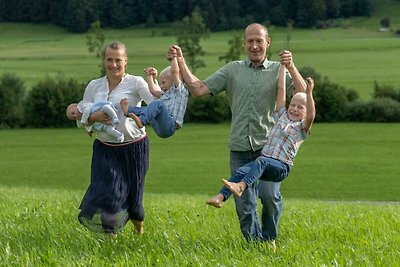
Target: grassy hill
pixel 353 55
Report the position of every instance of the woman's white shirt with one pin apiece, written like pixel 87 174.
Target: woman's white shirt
pixel 134 88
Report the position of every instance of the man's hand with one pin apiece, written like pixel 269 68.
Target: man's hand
pixel 286 58
pixel 174 51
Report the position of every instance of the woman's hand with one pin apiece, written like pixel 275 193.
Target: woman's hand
pixel 99 116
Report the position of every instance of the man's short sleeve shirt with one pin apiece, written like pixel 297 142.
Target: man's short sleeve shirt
pixel 251 92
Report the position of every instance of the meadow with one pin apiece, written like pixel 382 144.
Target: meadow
pixel 341 202
pixel 40 228
pixel 349 161
pixel 354 55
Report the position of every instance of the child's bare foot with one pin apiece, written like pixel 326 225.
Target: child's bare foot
pixel 124 105
pixel 216 201
pixel 136 119
pixel 236 188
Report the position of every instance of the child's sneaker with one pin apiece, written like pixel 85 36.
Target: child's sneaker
pixel 121 138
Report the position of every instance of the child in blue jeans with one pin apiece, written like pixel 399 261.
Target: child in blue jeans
pixel 166 113
pixel 292 126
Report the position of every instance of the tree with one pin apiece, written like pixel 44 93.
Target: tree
pixel 310 12
pixel 235 48
pixel 362 7
pixel 385 22
pixel 95 42
pixel 289 28
pixel 78 15
pixel 346 8
pixel 212 19
pixel 332 9
pixel 192 31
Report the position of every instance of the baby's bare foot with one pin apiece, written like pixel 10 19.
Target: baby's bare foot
pixel 233 187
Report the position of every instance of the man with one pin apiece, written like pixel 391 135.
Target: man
pixel 251 87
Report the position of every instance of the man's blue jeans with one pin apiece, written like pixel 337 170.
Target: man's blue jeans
pixel 158 116
pixel 246 205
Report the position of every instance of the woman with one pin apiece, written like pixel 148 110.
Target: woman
pixel 118 170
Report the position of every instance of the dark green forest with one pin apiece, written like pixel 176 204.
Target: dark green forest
pixel 218 15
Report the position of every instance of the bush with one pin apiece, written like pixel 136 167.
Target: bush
pixel 386 91
pixel 310 72
pixel 377 110
pixel 359 111
pixel 47 101
pixel 385 22
pixel 208 109
pixel 331 100
pixel 12 93
pixel 385 110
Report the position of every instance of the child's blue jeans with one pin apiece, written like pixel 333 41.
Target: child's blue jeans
pixel 158 116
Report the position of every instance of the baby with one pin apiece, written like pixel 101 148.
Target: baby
pixel 82 110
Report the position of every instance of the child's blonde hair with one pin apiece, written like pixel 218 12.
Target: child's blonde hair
pixel 301 97
pixel 167 73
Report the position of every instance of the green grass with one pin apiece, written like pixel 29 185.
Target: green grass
pixel 353 161
pixel 353 56
pixel 341 202
pixel 39 228
pixel 341 199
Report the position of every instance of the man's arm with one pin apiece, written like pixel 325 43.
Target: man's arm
pixel 310 116
pixel 194 84
pixel 287 60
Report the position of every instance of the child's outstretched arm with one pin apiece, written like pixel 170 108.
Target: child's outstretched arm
pixel 151 74
pixel 175 71
pixel 310 116
pixel 281 93
pixel 298 81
